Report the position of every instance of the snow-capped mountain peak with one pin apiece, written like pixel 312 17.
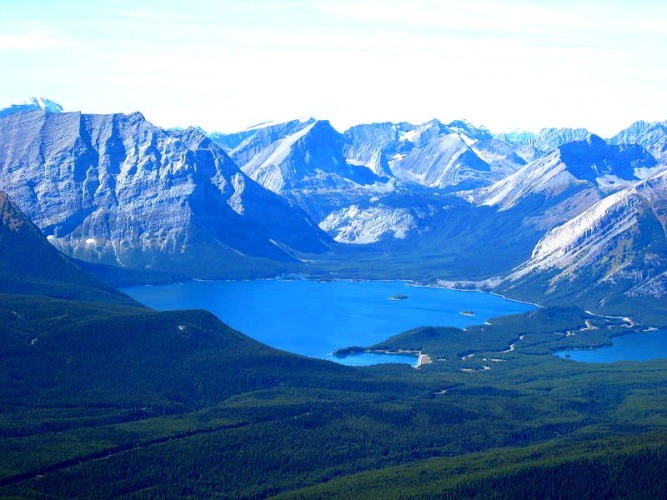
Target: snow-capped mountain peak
pixel 32 104
pixel 273 123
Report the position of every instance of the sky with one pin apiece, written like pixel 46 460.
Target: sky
pixel 225 65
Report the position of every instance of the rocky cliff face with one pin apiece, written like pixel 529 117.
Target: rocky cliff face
pixel 549 139
pixel 11 219
pixel 117 189
pixel 372 145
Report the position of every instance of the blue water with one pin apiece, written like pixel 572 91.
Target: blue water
pixel 638 346
pixel 315 318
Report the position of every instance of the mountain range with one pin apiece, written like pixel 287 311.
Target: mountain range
pixel 299 196
pixel 103 397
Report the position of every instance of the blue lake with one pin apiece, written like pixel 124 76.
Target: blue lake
pixel 638 346
pixel 315 318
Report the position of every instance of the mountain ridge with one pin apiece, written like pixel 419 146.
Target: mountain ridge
pixel 116 189
pixel 615 252
pixel 563 183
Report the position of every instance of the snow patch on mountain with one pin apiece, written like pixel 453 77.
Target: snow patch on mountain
pixel 359 226
pixel 409 135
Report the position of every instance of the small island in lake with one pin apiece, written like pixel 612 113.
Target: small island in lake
pixel 398 297
pixel 467 313
pixel 348 351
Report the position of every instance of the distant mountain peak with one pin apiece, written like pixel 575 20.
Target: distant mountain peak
pixel 32 104
pixel 651 135
pixel 643 125
pixel 45 104
pixel 595 140
pixel 272 123
pixel 467 128
pixel 568 180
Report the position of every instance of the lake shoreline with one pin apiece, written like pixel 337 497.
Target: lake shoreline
pixel 442 285
pixel 313 317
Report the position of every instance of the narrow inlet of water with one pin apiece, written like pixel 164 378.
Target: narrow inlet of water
pixel 636 346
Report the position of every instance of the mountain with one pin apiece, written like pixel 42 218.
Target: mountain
pixel 30 265
pixel 116 189
pixel 303 161
pixel 245 144
pixel 130 402
pixel 565 182
pixel 445 161
pixel 532 146
pixel 426 225
pixel 346 181
pixel 652 136
pixel 32 104
pixel 336 178
pixel 452 156
pixel 516 136
pixel 400 215
pixel 372 145
pixel 616 247
pixel 549 139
